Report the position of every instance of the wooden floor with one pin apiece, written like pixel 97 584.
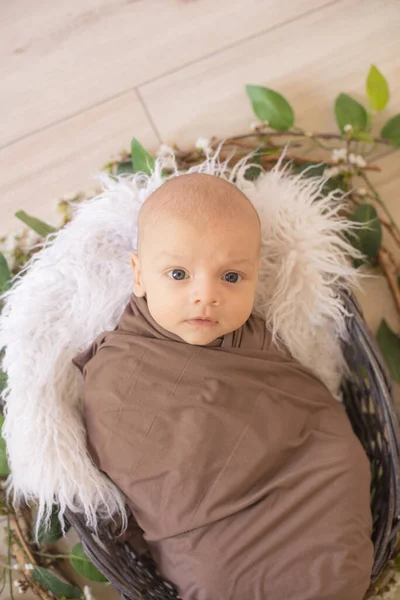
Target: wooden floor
pixel 80 78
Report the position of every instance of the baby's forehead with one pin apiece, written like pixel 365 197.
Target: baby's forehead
pixel 197 203
pixel 196 181
pixel 194 190
pixel 185 238
pixel 190 225
pixel 198 193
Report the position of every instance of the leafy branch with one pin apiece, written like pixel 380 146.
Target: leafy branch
pixel 343 165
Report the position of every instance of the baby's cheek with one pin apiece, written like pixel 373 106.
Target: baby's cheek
pixel 244 307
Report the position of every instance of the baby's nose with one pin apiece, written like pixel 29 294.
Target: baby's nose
pixel 205 293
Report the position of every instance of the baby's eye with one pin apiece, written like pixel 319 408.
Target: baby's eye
pixel 177 274
pixel 232 277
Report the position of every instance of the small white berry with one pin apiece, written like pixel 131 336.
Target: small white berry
pixel 339 154
pixel 203 144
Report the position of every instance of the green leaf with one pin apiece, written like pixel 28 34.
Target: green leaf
pixel 124 167
pixel 141 159
pixel 252 173
pixel 271 106
pixel 349 111
pixel 83 566
pixel 389 343
pixel 55 585
pixel 377 89
pixel 369 122
pixel 5 275
pixel 43 229
pixel 4 468
pixel 311 169
pixel 369 239
pixel 3 380
pixel 364 136
pixel 53 532
pixel 391 130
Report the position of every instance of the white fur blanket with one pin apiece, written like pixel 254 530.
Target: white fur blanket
pixel 81 280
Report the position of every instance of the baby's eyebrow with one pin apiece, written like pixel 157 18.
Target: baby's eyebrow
pixel 165 253
pixel 236 261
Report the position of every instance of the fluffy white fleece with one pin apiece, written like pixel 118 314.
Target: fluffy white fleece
pixel 79 283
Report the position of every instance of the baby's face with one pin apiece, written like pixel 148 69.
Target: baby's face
pixel 187 274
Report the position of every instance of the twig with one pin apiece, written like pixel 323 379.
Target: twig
pixel 380 202
pixel 390 256
pixel 9 556
pixel 386 258
pixel 6 566
pixel 323 136
pixel 21 539
pixel 384 221
pixel 303 160
pixel 190 156
pixel 38 589
pixel 391 229
pixel 384 261
pixel 59 556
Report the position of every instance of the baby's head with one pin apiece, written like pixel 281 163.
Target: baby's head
pixel 198 256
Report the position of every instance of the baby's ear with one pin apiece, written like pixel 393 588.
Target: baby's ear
pixel 134 258
pixel 138 287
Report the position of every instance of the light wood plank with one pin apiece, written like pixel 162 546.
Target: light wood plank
pixel 60 58
pixel 310 61
pixel 37 171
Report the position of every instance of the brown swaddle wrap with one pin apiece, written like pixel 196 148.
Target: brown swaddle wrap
pixel 240 467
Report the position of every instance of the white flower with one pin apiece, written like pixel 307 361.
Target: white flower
pixel 331 172
pixel 87 592
pixel 347 127
pixel 339 154
pixel 29 567
pixel 20 585
pixel 203 144
pixel 165 150
pixel 10 242
pixel 357 160
pixel 167 154
pixel 255 125
pixel 8 247
pixel 29 239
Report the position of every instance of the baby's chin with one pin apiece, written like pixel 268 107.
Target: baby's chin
pixel 199 342
pixel 201 336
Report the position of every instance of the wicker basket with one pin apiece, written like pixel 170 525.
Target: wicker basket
pixel 369 404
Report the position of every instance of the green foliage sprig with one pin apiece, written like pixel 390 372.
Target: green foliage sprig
pixel 36 563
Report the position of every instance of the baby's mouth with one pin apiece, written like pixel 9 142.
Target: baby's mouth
pixel 202 322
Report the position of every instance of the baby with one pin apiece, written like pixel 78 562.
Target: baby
pixel 198 257
pixel 241 469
